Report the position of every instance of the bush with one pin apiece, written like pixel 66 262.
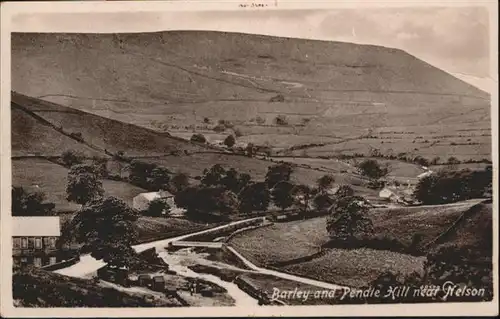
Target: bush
pixel 219 128
pixel 198 138
pixel 277 98
pixel 71 158
pixel 157 208
pixel 281 120
pixel 229 141
pixel 372 169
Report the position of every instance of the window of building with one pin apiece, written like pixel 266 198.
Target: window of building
pixel 38 262
pixel 31 242
pixel 24 260
pixel 24 242
pixel 16 243
pixel 38 243
pixel 52 242
pixel 52 260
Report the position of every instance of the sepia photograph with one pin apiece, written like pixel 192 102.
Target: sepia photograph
pixel 250 157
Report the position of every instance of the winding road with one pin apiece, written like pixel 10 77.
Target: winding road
pixel 88 265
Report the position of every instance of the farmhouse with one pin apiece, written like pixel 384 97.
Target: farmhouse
pixel 34 240
pixel 425 174
pixel 141 202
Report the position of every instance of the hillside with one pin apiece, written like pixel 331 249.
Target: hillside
pixel 102 137
pixel 347 97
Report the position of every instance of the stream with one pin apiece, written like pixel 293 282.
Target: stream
pixel 175 262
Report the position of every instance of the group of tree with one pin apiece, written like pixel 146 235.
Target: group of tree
pixel 217 193
pixel 154 177
pixel 348 221
pixel 25 203
pixel 447 186
pixel 84 184
pixel 225 191
pixel 105 226
pixel 372 169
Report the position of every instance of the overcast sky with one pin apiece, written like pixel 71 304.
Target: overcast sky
pixel 455 39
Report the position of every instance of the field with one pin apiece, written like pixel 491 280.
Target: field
pixel 44 176
pixel 287 241
pixel 357 267
pixel 155 228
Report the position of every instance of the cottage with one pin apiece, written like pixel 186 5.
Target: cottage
pixel 141 201
pixel 34 240
pixel 389 194
pixel 425 174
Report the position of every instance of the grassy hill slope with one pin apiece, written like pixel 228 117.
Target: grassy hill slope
pixel 103 136
pixel 355 97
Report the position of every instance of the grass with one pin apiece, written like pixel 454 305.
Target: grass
pixel 38 288
pixel 429 221
pixel 356 267
pixel 290 240
pixel 155 228
pixel 282 241
pixel 47 177
pixel 50 178
pixel 286 241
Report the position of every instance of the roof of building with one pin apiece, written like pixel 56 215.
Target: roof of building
pixel 154 195
pixel 40 226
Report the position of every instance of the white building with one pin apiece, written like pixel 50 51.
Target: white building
pixel 141 201
pixel 34 240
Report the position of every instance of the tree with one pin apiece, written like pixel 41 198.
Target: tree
pixel 325 182
pixel 302 196
pixel 198 138
pixel 157 208
pixel 83 184
pixel 229 141
pixel 447 186
pixel 281 120
pixel 322 202
pixel 282 196
pixel 372 169
pixel 213 176
pixel 140 173
pixel 435 160
pixel 100 166
pixel 344 191
pixel 465 265
pixel 250 149
pixel 421 161
pixel 227 202
pixel 30 204
pixel 254 197
pixel 347 221
pixel 180 181
pixel 106 229
pixel 71 158
pixel 204 202
pixel 160 178
pixel 260 120
pixel 278 173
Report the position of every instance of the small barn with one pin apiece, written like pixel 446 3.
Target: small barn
pixel 141 201
pixel 389 194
